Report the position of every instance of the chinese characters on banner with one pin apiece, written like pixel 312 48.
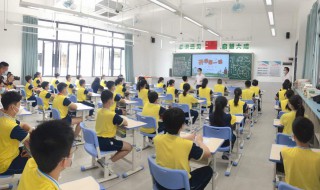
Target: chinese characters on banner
pixel 213 45
pixel 269 68
pixel 190 46
pixel 235 45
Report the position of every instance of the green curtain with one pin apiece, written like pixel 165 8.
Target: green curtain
pixel 29 48
pixel 129 59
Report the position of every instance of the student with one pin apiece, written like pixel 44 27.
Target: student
pixel 153 109
pixel 69 85
pixel 55 82
pixel 82 98
pixel 160 83
pixel 4 66
pixel 143 91
pixel 174 152
pixel 29 91
pixel 205 92
pixel 221 119
pixel 219 87
pixel 12 133
pixel 185 80
pixel 236 105
pixel 297 109
pixel 46 96
pixel 37 80
pixel 9 83
pixel 186 98
pixel 116 98
pixel 120 89
pixel 301 164
pixel 96 85
pixel 106 128
pixel 52 152
pixel 103 82
pixel 199 78
pixel 286 85
pixel 256 89
pixel 171 90
pixel 247 93
pixel 284 103
pixel 78 77
pixel 2 88
pixel 63 104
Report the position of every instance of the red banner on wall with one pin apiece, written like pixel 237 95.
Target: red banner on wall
pixel 211 45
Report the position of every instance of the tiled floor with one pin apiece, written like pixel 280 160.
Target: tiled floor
pixel 253 172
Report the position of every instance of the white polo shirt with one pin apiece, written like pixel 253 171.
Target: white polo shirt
pixel 199 78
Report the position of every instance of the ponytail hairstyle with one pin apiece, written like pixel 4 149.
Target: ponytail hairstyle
pixel 160 79
pixel 237 94
pixel 220 103
pixel 142 84
pixel 186 88
pixel 289 94
pixel 296 102
pixel 286 85
pixel 36 75
pixel 204 83
pixel 170 82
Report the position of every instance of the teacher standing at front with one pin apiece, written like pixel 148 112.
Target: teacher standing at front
pixel 199 78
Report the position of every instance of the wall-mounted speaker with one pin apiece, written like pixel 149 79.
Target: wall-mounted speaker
pixel 153 40
pixel 288 35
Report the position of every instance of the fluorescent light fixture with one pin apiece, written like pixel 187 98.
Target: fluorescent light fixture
pixel 273 32
pixel 212 32
pixel 269 2
pixel 163 5
pixel 194 22
pixel 166 36
pixel 271 18
pixel 135 29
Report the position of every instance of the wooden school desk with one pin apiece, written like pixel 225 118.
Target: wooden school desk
pixel 133 125
pixel 87 183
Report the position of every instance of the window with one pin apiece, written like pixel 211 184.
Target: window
pixel 87 51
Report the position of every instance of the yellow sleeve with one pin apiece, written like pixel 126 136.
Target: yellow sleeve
pixel 233 119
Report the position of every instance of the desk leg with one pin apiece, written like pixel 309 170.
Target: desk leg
pixel 134 168
pixel 215 173
pixel 200 116
pixel 238 155
pixel 250 125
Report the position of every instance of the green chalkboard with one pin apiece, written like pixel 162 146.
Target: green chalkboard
pixel 182 64
pixel 240 66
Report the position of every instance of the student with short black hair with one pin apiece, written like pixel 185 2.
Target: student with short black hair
pixel 82 98
pixel 70 86
pixel 174 152
pixel 301 164
pixel 120 88
pixel 37 80
pixel 51 146
pixel 185 80
pixel 284 103
pixel 160 83
pixel 116 98
pixel 186 98
pixel 256 89
pixel 4 66
pixel 219 87
pixel 106 128
pixel 236 105
pixel 205 92
pixel 153 109
pixel 143 91
pixel 29 91
pixel 248 93
pixel 96 85
pixel 55 82
pixel 78 77
pixel 12 133
pixel 46 96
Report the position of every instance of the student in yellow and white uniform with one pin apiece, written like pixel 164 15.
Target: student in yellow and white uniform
pixel 116 98
pixel 186 98
pixel 52 152
pixel 185 80
pixel 256 89
pixel 2 88
pixel 205 92
pixel 63 104
pixel 247 93
pixel 9 83
pixel 29 91
pixel 174 152
pixel 82 98
pixel 55 82
pixel 70 86
pixel 171 90
pixel 297 109
pixel 153 109
pixel 286 85
pixel 46 96
pixel 301 164
pixel 12 158
pixel 219 87
pixel 103 82
pixel 143 91
pixel 160 83
pixel 236 105
pixel 106 128
pixel 37 80
pixel 284 103
pixel 120 87
pixel 76 82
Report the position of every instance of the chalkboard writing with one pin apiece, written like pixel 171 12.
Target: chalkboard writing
pixel 240 66
pixel 182 65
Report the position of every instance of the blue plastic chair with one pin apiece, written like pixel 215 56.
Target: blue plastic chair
pixel 151 85
pixel 185 108
pixel 221 133
pixel 159 90
pixel 168 178
pixel 55 114
pixel 280 114
pixel 43 111
pixel 52 89
pixel 284 186
pixel 90 89
pixel 137 106
pixel 91 146
pixel 24 95
pixel 73 98
pixel 168 97
pixel 284 139
pixel 99 104
pixel 5 184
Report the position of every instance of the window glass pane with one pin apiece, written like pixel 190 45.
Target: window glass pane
pixel 48 55
pixel 85 37
pixel 123 65
pixel 67 35
pixel 63 58
pixel 118 43
pixel 73 59
pixel 106 62
pixel 117 62
pixel 98 61
pixel 46 33
pixel 40 56
pixel 86 60
pixel 103 40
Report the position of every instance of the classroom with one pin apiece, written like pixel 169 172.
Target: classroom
pixel 159 94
